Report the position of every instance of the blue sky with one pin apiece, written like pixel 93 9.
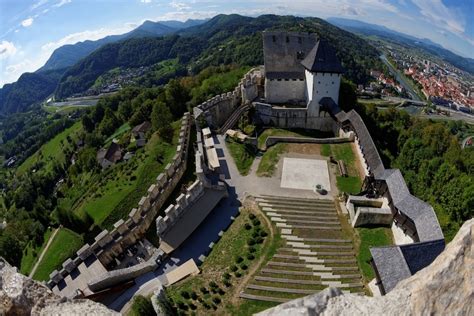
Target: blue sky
pixel 30 30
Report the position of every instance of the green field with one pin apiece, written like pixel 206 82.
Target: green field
pixel 119 132
pixel 51 152
pixel 31 253
pixel 243 155
pixel 110 195
pixel 270 159
pixel 351 185
pixel 295 133
pixel 64 245
pixel 371 237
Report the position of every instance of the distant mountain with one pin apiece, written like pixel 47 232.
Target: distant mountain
pixel 359 27
pixel 17 96
pixel 224 39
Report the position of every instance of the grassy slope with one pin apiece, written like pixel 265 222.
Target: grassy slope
pixel 295 132
pixel 52 151
pixel 121 130
pixel 219 261
pixel 344 152
pixel 64 245
pixel 371 237
pixel 117 190
pixel 267 165
pixel 242 154
pixel 31 253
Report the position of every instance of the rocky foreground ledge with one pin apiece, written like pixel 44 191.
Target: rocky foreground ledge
pixel 446 287
pixel 20 295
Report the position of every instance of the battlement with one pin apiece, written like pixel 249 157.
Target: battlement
pixel 126 232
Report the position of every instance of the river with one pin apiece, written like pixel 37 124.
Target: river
pixel 400 79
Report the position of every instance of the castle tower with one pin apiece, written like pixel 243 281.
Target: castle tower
pixel 323 72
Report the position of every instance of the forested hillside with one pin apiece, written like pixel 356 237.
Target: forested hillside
pixel 225 39
pixel 430 157
pixel 29 89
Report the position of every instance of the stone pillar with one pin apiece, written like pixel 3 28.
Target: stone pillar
pixel 170 213
pixel 103 238
pixel 160 225
pixel 84 252
pixel 68 265
pixel 161 180
pixel 153 191
pixel 134 215
pixel 55 276
pixel 121 227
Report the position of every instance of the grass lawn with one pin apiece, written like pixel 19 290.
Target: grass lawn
pixel 269 161
pixel 122 129
pixel 371 237
pixel 229 261
pixel 351 185
pixel 52 152
pixel 242 154
pixel 115 191
pixel 64 245
pixel 325 150
pixel 31 253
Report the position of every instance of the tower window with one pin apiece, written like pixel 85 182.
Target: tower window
pixel 299 55
pixel 333 82
pixel 274 38
pixel 319 82
pixel 287 39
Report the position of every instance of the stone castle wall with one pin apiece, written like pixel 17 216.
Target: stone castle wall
pixel 108 245
pixel 218 109
pixel 273 116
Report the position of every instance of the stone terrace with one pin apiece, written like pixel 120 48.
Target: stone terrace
pixel 316 253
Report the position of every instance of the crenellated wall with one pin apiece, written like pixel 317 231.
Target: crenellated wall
pixel 126 232
pixel 218 109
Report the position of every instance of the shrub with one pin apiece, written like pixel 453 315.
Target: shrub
pixel 233 268
pixel 204 290
pixel 227 283
pixel 221 292
pixel 185 294
pixel 238 274
pixel 250 256
pixel 243 266
pixel 213 285
pixel 226 276
pixel 192 306
pixel 263 233
pixel 182 306
pixel 248 226
pixel 258 240
pixel 255 222
pixel 255 234
pixel 239 259
pixel 251 242
pixel 252 249
pixel 206 305
pixel 142 306
pixel 194 295
pixel 251 216
pixel 216 300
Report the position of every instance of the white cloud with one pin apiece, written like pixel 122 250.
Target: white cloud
pixel 61 3
pixel 38 4
pixel 180 6
pixel 145 1
pixel 86 35
pixel 7 49
pixel 27 22
pixel 440 15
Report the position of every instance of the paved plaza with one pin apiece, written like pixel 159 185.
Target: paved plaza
pixel 305 174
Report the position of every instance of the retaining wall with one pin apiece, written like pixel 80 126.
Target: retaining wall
pixel 126 232
pixel 272 140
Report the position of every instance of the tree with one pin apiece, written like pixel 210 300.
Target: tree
pixel 142 306
pixel 161 119
pixel 10 248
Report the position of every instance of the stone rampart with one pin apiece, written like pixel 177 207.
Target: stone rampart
pixel 126 232
pixel 118 276
pixel 281 117
pixel 219 108
pixel 272 140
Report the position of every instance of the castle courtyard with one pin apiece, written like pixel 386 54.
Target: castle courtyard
pixel 305 174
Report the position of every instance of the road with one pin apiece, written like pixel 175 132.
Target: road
pixel 50 240
pixel 403 81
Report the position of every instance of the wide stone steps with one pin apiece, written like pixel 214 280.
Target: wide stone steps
pixel 294 200
pixel 279 289
pixel 264 298
pixel 296 207
pixel 290 216
pixel 331 214
pixel 302 221
pixel 299 226
pixel 306 282
pixel 314 267
pixel 310 273
pixel 318 253
pixel 308 259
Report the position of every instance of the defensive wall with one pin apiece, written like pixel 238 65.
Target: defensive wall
pixel 272 140
pixel 218 109
pixel 126 232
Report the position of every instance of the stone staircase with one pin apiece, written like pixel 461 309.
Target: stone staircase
pixel 315 254
pixel 234 117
